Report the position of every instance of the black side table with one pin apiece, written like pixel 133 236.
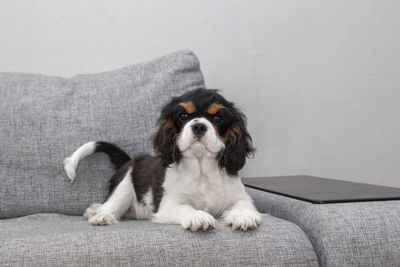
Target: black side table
pixel 322 190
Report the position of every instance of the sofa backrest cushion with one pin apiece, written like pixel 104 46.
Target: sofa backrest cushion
pixel 44 119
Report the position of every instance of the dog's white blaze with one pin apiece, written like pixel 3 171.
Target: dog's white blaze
pixel 71 162
pixel 210 139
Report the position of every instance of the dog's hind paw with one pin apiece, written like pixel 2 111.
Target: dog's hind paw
pixel 103 219
pixel 91 211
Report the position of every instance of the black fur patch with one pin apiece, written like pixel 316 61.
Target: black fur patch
pixel 117 156
pixel 147 172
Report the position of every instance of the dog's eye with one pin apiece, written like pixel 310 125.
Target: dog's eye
pixel 184 116
pixel 218 119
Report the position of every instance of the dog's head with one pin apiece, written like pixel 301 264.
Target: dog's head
pixel 203 123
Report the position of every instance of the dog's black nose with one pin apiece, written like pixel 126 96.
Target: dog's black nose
pixel 199 129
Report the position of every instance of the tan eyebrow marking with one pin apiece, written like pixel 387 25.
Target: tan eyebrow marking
pixel 189 107
pixel 213 108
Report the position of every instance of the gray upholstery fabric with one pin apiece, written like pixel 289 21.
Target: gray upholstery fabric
pixel 43 119
pixel 61 240
pixel 345 234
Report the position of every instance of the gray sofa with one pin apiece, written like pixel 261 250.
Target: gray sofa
pixel 43 119
pixel 342 234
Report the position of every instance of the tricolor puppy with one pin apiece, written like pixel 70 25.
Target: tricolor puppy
pixel 201 144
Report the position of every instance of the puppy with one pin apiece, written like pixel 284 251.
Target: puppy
pixel 201 144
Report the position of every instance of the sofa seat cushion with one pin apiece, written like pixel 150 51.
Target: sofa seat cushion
pixel 343 234
pixel 62 240
pixel 44 119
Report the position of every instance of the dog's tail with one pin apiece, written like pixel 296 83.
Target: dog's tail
pixel 117 156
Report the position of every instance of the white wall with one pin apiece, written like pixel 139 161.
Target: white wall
pixel 319 80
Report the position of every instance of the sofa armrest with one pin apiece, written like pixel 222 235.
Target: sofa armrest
pixel 343 234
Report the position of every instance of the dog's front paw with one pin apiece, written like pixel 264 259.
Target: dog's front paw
pixel 103 219
pixel 242 219
pixel 199 220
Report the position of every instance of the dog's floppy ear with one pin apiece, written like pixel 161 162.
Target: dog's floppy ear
pixel 164 139
pixel 238 145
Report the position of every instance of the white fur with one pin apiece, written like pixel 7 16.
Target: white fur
pixel 71 162
pixel 117 204
pixel 91 211
pixel 242 216
pixel 141 211
pixel 195 191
